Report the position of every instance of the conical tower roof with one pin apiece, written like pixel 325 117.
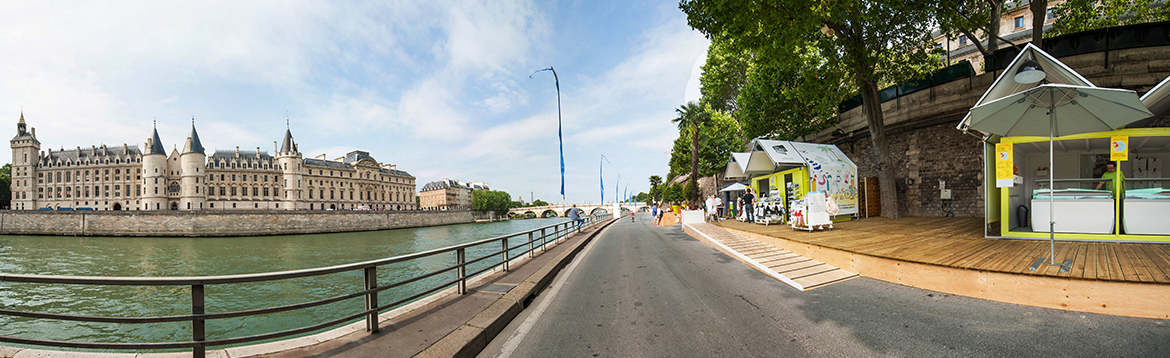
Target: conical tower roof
pixel 193 145
pixel 156 146
pixel 288 145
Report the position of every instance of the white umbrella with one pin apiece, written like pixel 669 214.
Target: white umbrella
pixel 1058 110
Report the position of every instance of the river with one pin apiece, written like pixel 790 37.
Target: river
pixel 153 256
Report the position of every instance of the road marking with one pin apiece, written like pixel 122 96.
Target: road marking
pixel 513 342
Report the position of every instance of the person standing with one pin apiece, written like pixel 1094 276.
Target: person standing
pixel 748 198
pixel 654 213
pixel 1110 173
pixel 718 207
pixel 710 204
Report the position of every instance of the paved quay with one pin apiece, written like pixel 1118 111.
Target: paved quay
pixel 644 291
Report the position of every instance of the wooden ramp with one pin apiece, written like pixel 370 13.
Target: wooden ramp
pixel 798 271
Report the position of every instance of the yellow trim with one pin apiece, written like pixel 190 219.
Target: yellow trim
pixel 1133 132
pixel 1092 237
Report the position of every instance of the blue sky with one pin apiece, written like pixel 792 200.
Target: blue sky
pixel 439 88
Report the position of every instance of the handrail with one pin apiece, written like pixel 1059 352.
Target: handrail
pixel 198 317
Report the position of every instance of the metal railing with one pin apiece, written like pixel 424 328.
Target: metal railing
pixel 547 235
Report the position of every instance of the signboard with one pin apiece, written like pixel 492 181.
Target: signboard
pixel 1119 148
pixel 1003 165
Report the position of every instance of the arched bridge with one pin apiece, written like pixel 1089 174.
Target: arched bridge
pixel 562 210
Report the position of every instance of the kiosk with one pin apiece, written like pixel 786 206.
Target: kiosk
pixel 780 171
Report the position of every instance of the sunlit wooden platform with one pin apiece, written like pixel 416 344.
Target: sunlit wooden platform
pixel 959 243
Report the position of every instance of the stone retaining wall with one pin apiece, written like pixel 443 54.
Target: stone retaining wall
pixel 217 223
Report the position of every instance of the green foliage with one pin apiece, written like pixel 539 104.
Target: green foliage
pixel 655 181
pixel 491 200
pixel 6 186
pixel 539 202
pixel 642 197
pixel 1083 15
pixel 717 139
pixel 724 75
pixel 786 100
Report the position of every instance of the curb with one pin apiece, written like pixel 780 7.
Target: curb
pixel 474 335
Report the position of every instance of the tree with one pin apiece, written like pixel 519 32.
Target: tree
pixel 491 200
pixel 654 181
pixel 539 202
pixel 786 100
pixel 1084 15
pixel 724 75
pixel 974 19
pixel 871 43
pixel 690 118
pixel 6 186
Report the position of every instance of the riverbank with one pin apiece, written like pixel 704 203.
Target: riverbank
pixel 218 223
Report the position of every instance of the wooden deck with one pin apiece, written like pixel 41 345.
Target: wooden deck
pixel 959 243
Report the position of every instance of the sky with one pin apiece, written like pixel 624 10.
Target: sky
pixel 441 89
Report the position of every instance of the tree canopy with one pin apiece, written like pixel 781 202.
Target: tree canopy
pixel 491 200
pixel 866 43
pixel 1083 15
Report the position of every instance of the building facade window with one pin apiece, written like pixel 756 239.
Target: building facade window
pixel 1019 21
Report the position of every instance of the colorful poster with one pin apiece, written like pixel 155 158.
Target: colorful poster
pixel 1119 148
pixel 832 172
pixel 1004 163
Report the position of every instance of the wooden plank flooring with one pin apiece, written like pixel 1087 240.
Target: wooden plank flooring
pixel 798 271
pixel 959 242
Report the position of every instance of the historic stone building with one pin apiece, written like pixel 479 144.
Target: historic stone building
pixel 126 178
pixel 448 194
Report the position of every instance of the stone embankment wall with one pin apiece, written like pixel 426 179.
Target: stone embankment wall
pixel 217 223
pixel 927 148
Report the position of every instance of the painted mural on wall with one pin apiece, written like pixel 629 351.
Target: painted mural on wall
pixel 832 172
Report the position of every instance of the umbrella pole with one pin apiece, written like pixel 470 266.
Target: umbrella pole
pixel 1064 267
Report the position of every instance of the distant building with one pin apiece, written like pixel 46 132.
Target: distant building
pixel 126 178
pixel 1015 25
pixel 448 194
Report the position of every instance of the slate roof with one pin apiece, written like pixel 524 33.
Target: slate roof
pixel 95 154
pixel 288 145
pixel 443 184
pixel 156 146
pixel 327 163
pixel 194 146
pixel 247 154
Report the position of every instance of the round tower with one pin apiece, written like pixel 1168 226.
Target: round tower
pixel 290 160
pixel 154 175
pixel 193 173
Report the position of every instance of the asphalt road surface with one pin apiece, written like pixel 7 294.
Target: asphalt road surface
pixel 645 291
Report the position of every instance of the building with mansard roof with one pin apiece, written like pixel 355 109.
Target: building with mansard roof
pixel 128 178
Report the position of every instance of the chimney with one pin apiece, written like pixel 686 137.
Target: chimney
pixel 34 132
pixel 257 152
pixel 274 146
pixel 237 151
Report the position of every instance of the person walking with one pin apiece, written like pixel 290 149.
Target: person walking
pixel 654 213
pixel 658 218
pixel 710 204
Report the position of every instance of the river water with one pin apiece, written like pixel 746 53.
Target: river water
pixel 152 256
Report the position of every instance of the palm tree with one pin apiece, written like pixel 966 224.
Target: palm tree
pixel 654 181
pixel 692 117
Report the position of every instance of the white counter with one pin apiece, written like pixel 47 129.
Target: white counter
pixel 1146 216
pixel 1083 216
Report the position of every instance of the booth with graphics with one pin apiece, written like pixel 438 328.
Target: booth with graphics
pixel 782 174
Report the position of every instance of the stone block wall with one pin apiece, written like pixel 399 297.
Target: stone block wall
pixel 217 223
pixel 927 148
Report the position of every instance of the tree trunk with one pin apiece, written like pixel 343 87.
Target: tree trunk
pixel 881 146
pixel 993 26
pixel 694 166
pixel 1039 14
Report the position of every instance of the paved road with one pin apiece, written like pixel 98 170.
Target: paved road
pixel 642 291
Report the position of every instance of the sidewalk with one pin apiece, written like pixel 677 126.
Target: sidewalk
pixel 451 326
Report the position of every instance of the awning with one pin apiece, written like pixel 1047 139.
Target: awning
pixel 735 187
pixel 736 166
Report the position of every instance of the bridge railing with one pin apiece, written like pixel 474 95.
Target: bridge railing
pixel 537 238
